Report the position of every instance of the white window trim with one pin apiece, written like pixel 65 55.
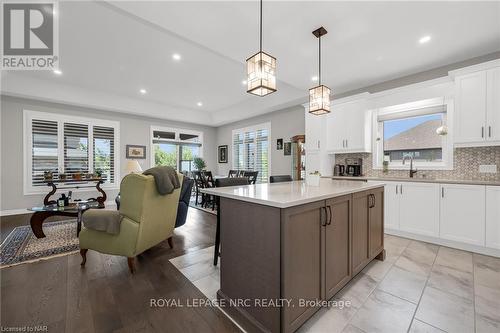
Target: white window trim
pixel 177 139
pixel 29 115
pixel 448 151
pixel 266 126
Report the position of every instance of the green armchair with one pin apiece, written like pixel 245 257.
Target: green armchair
pixel 148 219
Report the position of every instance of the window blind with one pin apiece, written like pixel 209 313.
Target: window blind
pixel 76 154
pixel 251 152
pixel 104 151
pixel 44 149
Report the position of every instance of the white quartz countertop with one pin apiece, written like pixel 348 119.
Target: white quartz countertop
pixel 289 194
pixel 421 180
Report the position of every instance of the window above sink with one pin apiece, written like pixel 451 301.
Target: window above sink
pixel 418 130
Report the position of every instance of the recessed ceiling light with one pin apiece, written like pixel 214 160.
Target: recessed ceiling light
pixel 176 56
pixel 199 104
pixel 424 39
pixel 314 78
pixel 244 82
pixel 143 91
pixel 57 72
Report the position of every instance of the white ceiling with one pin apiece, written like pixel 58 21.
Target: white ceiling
pixel 109 51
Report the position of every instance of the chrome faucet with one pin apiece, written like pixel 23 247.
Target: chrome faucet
pixel 412 172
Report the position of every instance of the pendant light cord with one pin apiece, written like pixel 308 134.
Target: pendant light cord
pixel 260 25
pixel 319 63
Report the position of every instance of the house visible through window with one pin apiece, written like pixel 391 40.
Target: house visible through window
pixel 176 148
pixel 251 150
pixel 406 131
pixel 414 136
pixel 69 145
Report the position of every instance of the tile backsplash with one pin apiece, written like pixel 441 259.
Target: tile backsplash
pixel 465 165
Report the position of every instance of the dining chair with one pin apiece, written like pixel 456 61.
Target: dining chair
pixel 233 173
pixel 251 175
pixel 224 182
pixel 280 179
pixel 199 184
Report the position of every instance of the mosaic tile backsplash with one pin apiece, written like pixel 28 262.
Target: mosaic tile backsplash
pixel 465 166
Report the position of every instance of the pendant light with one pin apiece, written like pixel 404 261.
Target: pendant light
pixel 261 70
pixel 319 96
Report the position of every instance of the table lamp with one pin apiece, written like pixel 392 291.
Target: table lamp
pixel 133 167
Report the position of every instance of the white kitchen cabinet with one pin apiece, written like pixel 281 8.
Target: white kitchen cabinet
pixel 419 208
pixel 412 207
pixel 477 108
pixel 391 206
pixel 493 105
pixel 315 131
pixel 493 216
pixel 462 217
pixel 348 127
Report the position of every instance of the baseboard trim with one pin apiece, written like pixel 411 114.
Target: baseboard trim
pixel 22 211
pixel 444 242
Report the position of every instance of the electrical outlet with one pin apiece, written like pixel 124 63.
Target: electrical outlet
pixel 488 168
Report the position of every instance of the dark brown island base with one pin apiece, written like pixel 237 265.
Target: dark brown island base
pixel 286 247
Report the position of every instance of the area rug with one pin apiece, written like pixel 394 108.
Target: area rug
pixel 192 203
pixel 21 246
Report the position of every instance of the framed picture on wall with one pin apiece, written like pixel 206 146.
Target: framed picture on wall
pixel 287 150
pixel 222 154
pixel 136 152
pixel 279 144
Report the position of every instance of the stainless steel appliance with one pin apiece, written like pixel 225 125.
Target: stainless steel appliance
pixel 354 167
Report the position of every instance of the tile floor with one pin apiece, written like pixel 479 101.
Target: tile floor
pixel 420 287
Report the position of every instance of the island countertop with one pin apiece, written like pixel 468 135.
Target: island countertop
pixel 289 194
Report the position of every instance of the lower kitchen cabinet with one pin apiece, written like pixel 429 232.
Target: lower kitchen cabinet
pixel 337 252
pixel 324 244
pixel 301 266
pixel 419 208
pixel 391 206
pixel 493 216
pixel 463 213
pixel 412 207
pixel 376 221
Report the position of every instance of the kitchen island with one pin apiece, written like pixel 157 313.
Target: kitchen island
pixel 285 247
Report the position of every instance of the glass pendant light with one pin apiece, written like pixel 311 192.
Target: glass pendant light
pixel 261 70
pixel 319 96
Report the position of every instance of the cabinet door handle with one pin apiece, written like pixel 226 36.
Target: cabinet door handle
pixel 374 200
pixel 489 131
pixel 321 216
pixel 396 189
pixel 330 211
pixel 401 189
pixel 482 131
pixel 442 192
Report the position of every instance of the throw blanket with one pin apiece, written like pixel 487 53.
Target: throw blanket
pixel 102 220
pixel 166 179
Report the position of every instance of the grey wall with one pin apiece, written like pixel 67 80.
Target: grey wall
pixel 285 124
pixel 133 130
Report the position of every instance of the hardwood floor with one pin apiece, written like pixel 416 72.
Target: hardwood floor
pixel 105 297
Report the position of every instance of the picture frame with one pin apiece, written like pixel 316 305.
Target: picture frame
pixel 135 152
pixel 222 154
pixel 279 144
pixel 287 149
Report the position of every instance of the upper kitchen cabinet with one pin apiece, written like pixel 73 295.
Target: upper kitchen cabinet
pixel 348 127
pixel 477 108
pixel 315 131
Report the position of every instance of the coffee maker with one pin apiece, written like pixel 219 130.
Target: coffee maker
pixel 354 167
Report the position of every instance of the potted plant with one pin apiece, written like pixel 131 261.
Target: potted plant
pixel 48 175
pixel 98 173
pixel 199 163
pixel 312 178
